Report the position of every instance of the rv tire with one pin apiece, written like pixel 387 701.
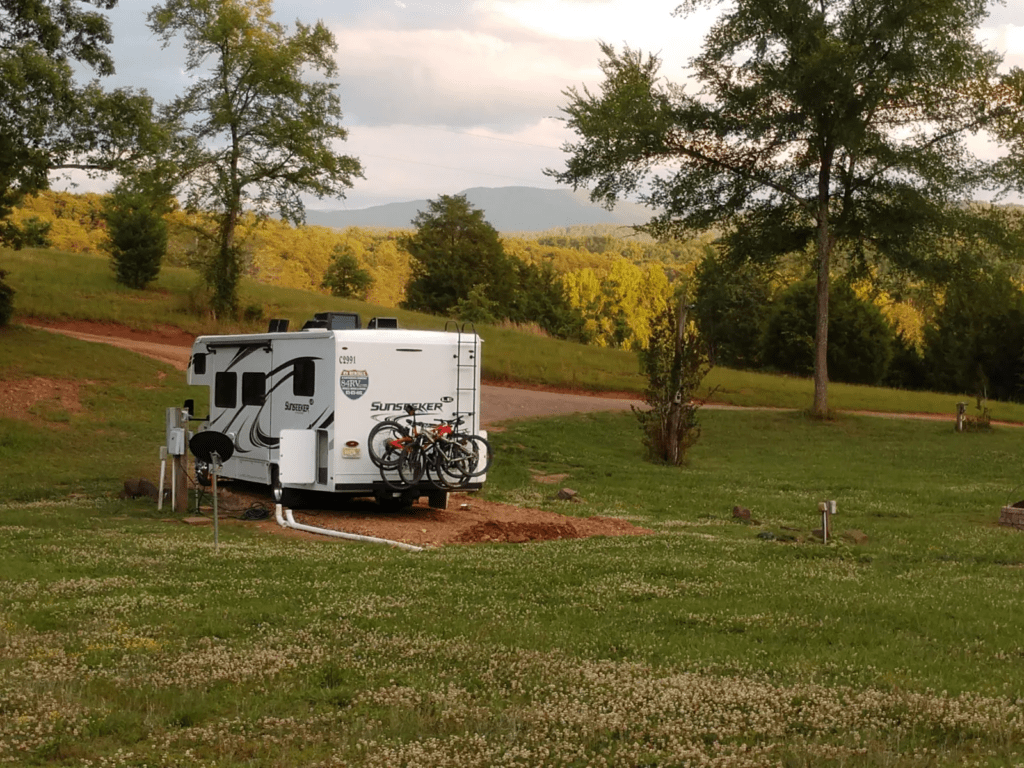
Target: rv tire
pixel 396 501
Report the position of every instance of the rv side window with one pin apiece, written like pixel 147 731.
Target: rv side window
pixel 225 389
pixel 302 382
pixel 254 388
pixel 199 363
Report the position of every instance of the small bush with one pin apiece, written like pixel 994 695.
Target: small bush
pixel 675 366
pixel 345 277
pixel 732 305
pixel 33 233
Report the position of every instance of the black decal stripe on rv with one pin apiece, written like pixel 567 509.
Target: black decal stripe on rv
pixel 243 352
pixel 328 421
pixel 291 363
pixel 260 438
pixel 312 424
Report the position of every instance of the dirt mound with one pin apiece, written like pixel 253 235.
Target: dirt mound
pixel 516 533
pixel 468 520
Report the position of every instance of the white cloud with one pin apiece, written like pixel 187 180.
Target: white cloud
pixel 403 162
pixel 455 77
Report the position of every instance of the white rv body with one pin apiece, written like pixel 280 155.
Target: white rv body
pixel 298 406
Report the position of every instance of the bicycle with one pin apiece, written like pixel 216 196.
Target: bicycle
pixel 447 457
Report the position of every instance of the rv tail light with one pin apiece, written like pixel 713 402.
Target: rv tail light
pixel 352 443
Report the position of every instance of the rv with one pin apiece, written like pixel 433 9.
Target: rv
pixel 298 406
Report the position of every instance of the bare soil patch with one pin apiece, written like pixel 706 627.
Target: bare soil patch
pixel 18 398
pixel 467 520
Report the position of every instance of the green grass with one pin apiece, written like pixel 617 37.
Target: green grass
pixel 126 640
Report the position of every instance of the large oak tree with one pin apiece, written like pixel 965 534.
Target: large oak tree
pixel 816 122
pixel 262 117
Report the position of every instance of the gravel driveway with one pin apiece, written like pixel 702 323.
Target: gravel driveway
pixel 172 345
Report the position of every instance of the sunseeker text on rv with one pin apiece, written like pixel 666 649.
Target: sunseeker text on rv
pixel 378 406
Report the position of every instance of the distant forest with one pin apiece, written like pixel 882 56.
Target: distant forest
pixel 963 332
pixel 610 276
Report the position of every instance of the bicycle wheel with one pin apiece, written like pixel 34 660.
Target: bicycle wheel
pixel 412 461
pixel 454 460
pixel 385 443
pixel 480 449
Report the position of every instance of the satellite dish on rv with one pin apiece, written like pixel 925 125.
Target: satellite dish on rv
pixel 209 442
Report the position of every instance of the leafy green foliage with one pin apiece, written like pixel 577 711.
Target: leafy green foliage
pixel 675 362
pixel 262 121
pixel 31 233
pixel 47 120
pixel 540 298
pixel 476 307
pixel 453 251
pixel 788 141
pixel 732 302
pixel 138 234
pixel 6 299
pixel 975 343
pixel 860 340
pixel 344 277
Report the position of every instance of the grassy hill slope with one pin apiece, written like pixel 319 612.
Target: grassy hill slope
pixel 58 285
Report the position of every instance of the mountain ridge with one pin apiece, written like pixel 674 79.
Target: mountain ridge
pixel 507 209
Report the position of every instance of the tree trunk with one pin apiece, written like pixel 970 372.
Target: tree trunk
pixel 824 248
pixel 821 328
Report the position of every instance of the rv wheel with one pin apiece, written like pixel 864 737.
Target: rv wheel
pixel 275 484
pixel 395 501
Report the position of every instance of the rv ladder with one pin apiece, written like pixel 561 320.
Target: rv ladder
pixel 465 371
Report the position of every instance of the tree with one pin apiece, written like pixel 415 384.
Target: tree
pixel 344 277
pixel 134 213
pixel 974 346
pixel 818 121
pixel 33 233
pixel 732 303
pixel 48 121
pixel 6 300
pixel 860 339
pixel 261 129
pixel 453 251
pixel 675 362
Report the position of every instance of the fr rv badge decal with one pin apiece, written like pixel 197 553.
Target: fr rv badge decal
pixel 354 384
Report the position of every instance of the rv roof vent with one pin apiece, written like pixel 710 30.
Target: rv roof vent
pixel 338 321
pixel 382 322
pixel 278 326
pixel 314 324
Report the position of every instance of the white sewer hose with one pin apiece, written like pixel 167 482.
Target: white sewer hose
pixel 286 520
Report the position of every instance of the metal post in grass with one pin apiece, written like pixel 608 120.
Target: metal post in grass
pixel 215 465
pixel 827 509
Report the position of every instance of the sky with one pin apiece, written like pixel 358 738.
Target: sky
pixel 440 96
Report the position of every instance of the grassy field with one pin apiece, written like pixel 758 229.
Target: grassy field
pixel 126 640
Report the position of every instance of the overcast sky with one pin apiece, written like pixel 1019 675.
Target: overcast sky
pixel 442 96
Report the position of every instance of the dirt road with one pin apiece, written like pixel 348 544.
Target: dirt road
pixel 172 345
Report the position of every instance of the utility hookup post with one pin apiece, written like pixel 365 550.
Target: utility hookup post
pixel 177 430
pixel 181 478
pixel 827 509
pixel 961 416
